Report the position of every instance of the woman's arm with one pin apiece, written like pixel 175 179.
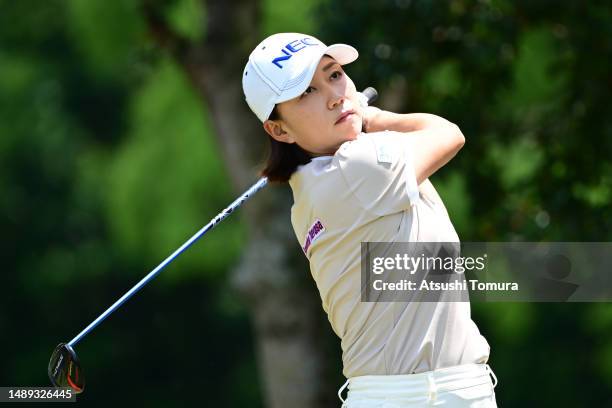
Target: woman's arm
pixel 377 120
pixel 435 140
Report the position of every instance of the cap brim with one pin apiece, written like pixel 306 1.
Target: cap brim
pixel 342 53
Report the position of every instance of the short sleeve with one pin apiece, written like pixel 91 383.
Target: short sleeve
pixel 379 170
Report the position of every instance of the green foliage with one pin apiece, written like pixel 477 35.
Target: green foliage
pixel 106 34
pixel 293 16
pixel 107 164
pixel 187 17
pixel 456 200
pixel 168 179
pixel 517 163
pixel 444 79
pixel 537 87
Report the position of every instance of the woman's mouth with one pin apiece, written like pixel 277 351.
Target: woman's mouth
pixel 344 116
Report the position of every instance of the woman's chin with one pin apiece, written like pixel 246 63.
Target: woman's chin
pixel 353 133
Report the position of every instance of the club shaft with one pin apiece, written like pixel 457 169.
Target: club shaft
pixel 369 93
pixel 261 183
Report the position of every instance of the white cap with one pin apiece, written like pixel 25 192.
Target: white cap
pixel 281 67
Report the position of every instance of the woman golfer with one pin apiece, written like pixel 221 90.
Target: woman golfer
pixel 360 174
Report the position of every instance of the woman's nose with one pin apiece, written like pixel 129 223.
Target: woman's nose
pixel 335 100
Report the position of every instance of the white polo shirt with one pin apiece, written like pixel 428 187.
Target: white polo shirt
pixel 367 192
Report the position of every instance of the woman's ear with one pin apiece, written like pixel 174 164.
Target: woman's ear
pixel 275 129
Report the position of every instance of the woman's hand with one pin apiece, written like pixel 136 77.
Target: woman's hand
pixel 369 118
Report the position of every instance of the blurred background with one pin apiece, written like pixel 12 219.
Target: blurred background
pixel 123 130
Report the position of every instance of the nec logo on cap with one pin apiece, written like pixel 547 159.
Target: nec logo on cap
pixel 292 48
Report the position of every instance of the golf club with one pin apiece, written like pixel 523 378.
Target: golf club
pixel 64 368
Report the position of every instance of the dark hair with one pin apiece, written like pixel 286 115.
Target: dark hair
pixel 283 158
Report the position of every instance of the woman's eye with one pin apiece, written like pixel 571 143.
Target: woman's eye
pixel 307 91
pixel 336 74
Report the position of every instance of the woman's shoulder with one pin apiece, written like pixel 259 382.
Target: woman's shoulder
pixel 365 139
pixel 370 150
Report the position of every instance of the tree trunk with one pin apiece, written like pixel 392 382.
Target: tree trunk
pixel 273 276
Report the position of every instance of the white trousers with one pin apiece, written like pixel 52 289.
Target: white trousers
pixel 462 386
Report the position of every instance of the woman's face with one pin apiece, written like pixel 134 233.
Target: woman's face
pixel 326 115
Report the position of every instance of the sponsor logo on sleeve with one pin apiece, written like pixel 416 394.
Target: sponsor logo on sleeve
pixel 384 154
pixel 314 232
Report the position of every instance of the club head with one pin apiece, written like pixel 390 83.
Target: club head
pixel 65 370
